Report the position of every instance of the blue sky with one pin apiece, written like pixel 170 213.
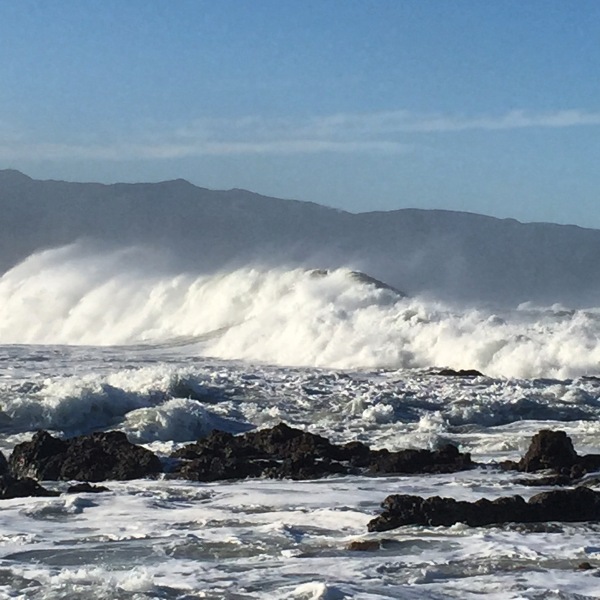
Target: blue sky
pixel 490 107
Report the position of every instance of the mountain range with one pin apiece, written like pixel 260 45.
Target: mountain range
pixel 452 255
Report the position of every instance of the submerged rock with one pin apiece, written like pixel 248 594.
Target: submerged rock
pixel 85 487
pixel 286 452
pixel 3 464
pixel 94 457
pixel 14 487
pixel 579 504
pixel 466 373
pixel 364 545
pixel 445 460
pixel 11 487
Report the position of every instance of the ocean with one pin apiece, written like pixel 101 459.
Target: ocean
pixel 95 341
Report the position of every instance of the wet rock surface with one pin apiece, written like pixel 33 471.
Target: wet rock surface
pixel 575 505
pixel 285 452
pixel 94 457
pixel 553 451
pixel 11 487
pixel 277 452
pixel 87 488
pixel 14 487
pixel 466 373
pixel 550 451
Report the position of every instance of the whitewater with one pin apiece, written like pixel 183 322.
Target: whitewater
pixel 305 317
pixel 123 337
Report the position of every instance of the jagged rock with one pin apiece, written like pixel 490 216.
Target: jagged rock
pixel 207 468
pixel 283 441
pixel 364 545
pixel 554 451
pixel 285 452
pixel 548 481
pixel 94 457
pixel 579 504
pixel 277 452
pixel 11 487
pixel 86 487
pixel 445 460
pixel 3 464
pixel 466 373
pixel 361 278
pixel 548 450
pixel 305 467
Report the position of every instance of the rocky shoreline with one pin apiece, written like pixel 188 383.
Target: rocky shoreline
pixel 284 452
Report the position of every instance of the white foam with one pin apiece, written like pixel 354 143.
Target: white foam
pixel 177 420
pixel 284 539
pixel 71 296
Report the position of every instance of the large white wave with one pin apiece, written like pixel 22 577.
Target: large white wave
pixel 73 295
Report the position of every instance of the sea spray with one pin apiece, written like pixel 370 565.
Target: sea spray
pixel 281 316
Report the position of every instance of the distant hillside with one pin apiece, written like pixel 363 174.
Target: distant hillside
pixel 450 254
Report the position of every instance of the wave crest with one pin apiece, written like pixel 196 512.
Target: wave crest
pixel 77 295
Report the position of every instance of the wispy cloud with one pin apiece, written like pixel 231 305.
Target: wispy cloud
pixel 383 132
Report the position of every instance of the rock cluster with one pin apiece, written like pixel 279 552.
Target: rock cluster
pixel 549 451
pixel 286 452
pixel 554 451
pixel 94 457
pixel 277 452
pixel 465 373
pixel 579 504
pixel 14 487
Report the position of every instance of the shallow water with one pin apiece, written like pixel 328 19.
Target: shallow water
pixel 282 539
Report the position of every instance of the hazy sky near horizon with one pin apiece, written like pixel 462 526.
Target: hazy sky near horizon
pixel 488 107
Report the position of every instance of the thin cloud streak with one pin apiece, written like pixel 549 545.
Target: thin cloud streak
pixel 140 151
pixel 383 132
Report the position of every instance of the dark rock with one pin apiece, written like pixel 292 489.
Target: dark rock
pixel 579 504
pixel 548 450
pixel 86 487
pixel 466 373
pixel 380 285
pixel 586 464
pixel 361 278
pixel 446 460
pixel 356 453
pixel 584 566
pixel 553 451
pixel 207 468
pixel 508 465
pixel 277 452
pixel 217 443
pixel 11 487
pixel 94 457
pixel 548 481
pixel 283 441
pixel 306 467
pixel 364 545
pixel 3 464
pixel 285 452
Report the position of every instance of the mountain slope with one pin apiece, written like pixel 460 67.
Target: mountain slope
pixel 455 255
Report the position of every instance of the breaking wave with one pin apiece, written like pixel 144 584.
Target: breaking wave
pixel 337 318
